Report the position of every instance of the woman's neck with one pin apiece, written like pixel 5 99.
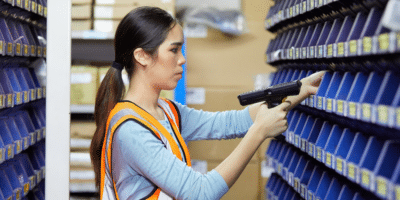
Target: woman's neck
pixel 145 96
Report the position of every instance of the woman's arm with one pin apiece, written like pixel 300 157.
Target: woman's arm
pixel 268 123
pixel 203 125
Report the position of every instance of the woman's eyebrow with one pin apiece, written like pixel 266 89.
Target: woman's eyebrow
pixel 177 43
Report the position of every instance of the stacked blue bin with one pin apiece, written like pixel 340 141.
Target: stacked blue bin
pixel 341 143
pixel 22 99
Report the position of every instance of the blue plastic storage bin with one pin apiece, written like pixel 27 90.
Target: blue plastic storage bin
pixel 314 181
pixel 298 172
pixel 353 109
pixel 312 138
pixel 338 46
pixel 346 193
pixel 292 168
pixel 7 88
pixel 394 189
pixel 369 29
pixel 322 40
pixel 16 88
pixel 292 125
pixel 290 48
pixel 11 174
pixel 26 93
pixel 305 133
pixel 342 151
pixel 19 133
pixel 24 116
pixel 286 163
pixel 297 44
pixel 312 45
pixel 305 178
pixel 323 185
pixel 270 150
pixel 381 109
pixel 333 35
pixel 270 183
pixel 369 95
pixel 368 163
pixel 323 87
pixel 297 130
pixel 3 151
pixel 8 140
pixel 321 141
pixel 26 164
pixel 330 147
pixel 306 41
pixel 351 46
pixel 328 98
pixel 5 187
pixel 280 158
pixel 334 190
pixel 340 104
pixel 385 167
pixel 275 154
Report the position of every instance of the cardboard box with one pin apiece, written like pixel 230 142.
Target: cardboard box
pixel 77 2
pixel 81 11
pixel 80 159
pixel 217 99
pixel 168 5
pixel 82 129
pixel 83 85
pixel 116 12
pixel 109 26
pixel 220 60
pixel 247 186
pixel 221 98
pixel 82 175
pixel 214 150
pixel 81 25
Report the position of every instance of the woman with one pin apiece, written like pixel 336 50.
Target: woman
pixel 138 150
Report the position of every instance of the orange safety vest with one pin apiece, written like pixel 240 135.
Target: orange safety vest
pixel 124 111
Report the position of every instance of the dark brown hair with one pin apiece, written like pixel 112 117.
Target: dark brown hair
pixel 143 27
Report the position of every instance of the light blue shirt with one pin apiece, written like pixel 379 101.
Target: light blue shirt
pixel 140 160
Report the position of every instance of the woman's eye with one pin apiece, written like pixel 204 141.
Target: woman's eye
pixel 175 50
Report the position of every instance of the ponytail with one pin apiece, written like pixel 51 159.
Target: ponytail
pixel 110 92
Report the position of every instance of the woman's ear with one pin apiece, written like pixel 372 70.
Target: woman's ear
pixel 141 57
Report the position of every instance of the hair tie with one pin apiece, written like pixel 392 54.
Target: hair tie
pixel 117 66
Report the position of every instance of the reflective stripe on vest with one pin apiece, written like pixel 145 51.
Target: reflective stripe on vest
pixel 124 111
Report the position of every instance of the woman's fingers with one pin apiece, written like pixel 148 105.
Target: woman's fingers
pixel 284 106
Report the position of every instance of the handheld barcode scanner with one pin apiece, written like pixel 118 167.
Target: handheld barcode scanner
pixel 273 95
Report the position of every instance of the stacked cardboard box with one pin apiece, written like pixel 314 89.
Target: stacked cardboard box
pixel 108 13
pixel 84 80
pixel 81 15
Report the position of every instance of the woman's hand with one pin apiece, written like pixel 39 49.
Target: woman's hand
pixel 309 87
pixel 271 122
pixel 311 83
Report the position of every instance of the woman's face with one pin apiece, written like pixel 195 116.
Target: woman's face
pixel 166 69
